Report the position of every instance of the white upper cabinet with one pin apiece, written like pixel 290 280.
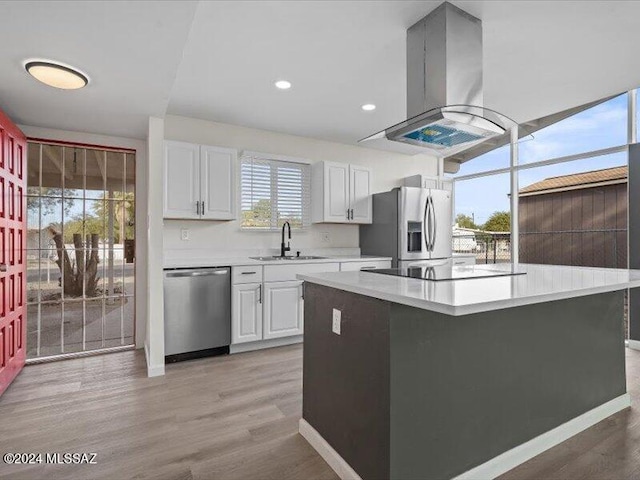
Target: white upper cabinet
pixel 181 180
pixel 341 193
pixel 199 182
pixel 360 194
pixel 217 183
pixel 423 181
pixel 336 193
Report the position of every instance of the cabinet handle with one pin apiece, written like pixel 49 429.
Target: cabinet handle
pixel 248 273
pixel 260 293
pixel 198 208
pixel 347 214
pixel 203 207
pixel 352 214
pixel 367 268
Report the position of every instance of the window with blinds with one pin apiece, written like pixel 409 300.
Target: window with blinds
pixel 273 192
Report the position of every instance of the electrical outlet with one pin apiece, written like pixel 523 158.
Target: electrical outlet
pixel 337 319
pixel 324 237
pixel 184 234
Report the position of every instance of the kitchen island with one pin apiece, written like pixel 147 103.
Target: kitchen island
pixel 460 378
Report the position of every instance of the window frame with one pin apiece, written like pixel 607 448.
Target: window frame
pixel 277 159
pixel 515 167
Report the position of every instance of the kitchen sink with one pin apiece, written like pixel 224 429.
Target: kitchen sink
pixel 288 257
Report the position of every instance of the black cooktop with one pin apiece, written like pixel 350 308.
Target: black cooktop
pixel 448 272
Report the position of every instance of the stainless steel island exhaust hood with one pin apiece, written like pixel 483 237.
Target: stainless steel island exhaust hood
pixel 444 89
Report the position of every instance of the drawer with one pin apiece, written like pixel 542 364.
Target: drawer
pixel 354 266
pixel 465 260
pixel 246 274
pixel 282 273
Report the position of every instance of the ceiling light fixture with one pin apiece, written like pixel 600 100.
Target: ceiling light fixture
pixel 368 107
pixel 56 75
pixel 283 85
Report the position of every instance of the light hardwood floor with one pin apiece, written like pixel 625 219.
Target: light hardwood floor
pixel 232 417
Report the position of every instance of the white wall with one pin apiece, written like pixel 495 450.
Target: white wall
pixel 388 171
pixel 154 341
pixel 141 203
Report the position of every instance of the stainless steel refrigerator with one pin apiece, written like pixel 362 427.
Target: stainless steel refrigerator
pixel 411 225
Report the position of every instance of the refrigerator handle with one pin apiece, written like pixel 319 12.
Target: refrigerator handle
pixel 435 226
pixel 426 226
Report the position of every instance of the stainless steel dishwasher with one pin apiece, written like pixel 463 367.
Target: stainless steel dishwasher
pixel 197 312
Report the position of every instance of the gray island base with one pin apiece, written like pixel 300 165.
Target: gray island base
pixel 409 393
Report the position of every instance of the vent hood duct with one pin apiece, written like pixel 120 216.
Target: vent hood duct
pixel 444 89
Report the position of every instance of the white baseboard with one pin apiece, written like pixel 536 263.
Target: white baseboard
pixel 326 451
pixel 520 454
pixel 152 370
pixel 497 465
pixel 261 344
pixel 633 344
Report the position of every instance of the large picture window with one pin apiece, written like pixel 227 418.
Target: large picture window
pixel 565 155
pixel 599 127
pixel 273 192
pixel 572 196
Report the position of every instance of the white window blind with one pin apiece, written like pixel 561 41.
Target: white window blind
pixel 274 191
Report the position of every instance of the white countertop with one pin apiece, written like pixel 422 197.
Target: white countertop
pixel 203 262
pixel 541 283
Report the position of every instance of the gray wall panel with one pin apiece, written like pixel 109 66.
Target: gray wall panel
pixel 405 393
pixel 466 389
pixel 346 377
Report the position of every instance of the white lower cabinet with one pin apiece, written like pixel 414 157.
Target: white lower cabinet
pixel 464 259
pixel 283 309
pixel 268 302
pixel 246 324
pixel 363 266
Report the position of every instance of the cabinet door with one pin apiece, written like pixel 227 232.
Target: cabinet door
pixel 181 180
pixel 336 192
pixel 360 194
pixel 283 309
pixel 217 183
pixel 246 313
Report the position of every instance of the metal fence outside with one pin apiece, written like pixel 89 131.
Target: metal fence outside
pixel 584 248
pixel 488 247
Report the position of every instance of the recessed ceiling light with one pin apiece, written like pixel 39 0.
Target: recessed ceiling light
pixel 283 85
pixel 367 107
pixel 56 75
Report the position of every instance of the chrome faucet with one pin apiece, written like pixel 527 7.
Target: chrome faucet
pixel 284 249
